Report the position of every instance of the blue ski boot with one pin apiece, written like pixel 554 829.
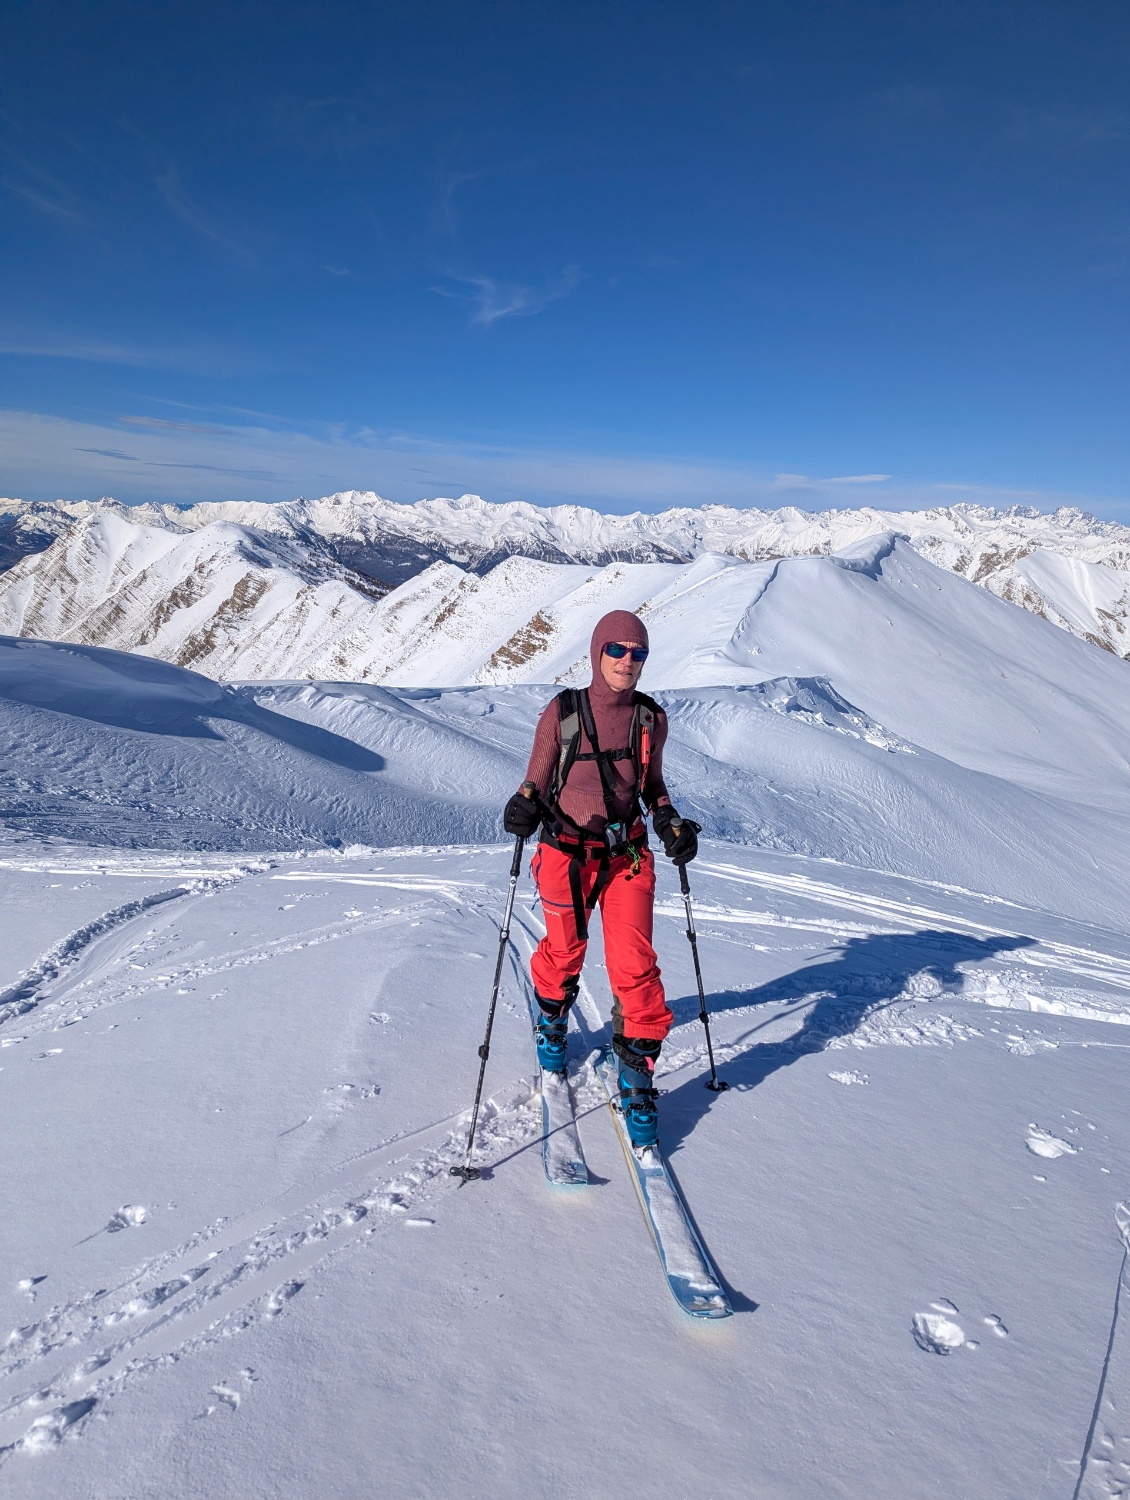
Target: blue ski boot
pixel 638 1056
pixel 552 1028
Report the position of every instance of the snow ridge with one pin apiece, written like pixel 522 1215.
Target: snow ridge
pixel 1068 566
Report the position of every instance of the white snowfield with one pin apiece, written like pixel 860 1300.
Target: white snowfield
pixel 1068 567
pixel 248 932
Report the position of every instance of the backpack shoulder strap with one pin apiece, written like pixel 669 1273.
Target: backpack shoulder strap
pixel 568 711
pixel 643 735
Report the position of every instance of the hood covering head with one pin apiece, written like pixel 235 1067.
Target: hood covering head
pixel 617 625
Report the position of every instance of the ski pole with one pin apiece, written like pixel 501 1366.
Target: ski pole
pixel 467 1172
pixel 714 1082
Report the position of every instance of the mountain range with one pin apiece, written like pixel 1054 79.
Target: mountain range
pixel 355 586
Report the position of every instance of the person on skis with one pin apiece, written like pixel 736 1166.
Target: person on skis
pixel 595 768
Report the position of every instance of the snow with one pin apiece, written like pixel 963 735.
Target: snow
pixel 249 930
pixel 215 1065
pixel 269 583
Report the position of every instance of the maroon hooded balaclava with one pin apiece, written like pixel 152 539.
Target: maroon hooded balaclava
pixel 618 625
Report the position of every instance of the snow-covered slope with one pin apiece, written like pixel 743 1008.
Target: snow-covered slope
pixel 29 527
pixel 1068 566
pixel 239 604
pixel 232 1087
pixel 239 1265
pixel 865 708
pixel 199 599
pixel 112 748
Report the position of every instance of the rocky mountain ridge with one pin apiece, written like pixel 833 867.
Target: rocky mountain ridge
pixel 1067 566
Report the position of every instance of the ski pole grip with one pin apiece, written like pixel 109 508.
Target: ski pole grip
pixel 516 862
pixel 684 883
pixel 530 792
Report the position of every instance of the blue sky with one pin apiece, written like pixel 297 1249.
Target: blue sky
pixel 633 255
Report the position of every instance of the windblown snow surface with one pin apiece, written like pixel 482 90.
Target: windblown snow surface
pixel 248 937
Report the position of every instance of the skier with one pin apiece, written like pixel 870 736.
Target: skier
pixel 596 766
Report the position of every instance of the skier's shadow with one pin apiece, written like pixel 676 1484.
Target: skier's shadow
pixel 866 975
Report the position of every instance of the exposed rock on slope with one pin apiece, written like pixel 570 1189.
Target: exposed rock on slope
pixel 197 600
pixel 1069 567
pixel 918 649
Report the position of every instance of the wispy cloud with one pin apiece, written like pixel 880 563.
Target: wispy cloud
pixel 1067 129
pixel 92 350
pixel 190 213
pixel 199 359
pixel 449 180
pixel 268 459
pixel 50 206
pixel 449 183
pixel 491 299
pixel 169 425
pixel 40 188
pixel 857 479
pixel 807 482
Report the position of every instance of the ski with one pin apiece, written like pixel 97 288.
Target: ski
pixel 693 1280
pixel 561 1153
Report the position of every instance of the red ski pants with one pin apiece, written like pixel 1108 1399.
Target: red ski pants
pixel 626 910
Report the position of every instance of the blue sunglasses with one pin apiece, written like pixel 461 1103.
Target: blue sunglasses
pixel 615 650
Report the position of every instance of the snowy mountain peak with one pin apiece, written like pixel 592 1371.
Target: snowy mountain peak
pixel 1067 567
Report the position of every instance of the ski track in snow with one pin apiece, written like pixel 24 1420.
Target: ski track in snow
pixel 234 1274
pixel 34 984
pixel 243 1271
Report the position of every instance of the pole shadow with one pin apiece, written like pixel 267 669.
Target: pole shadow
pixel 866 975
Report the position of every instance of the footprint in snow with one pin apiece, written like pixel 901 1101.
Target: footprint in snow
pixel 1043 1143
pixel 345 1094
pixel 227 1398
pixel 281 1296
pixel 49 1431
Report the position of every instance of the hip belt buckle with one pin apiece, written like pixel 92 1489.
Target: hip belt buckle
pixel 616 837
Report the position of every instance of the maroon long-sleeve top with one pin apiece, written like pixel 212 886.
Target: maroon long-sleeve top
pixel 582 798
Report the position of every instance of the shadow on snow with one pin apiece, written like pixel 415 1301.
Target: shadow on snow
pixel 865 975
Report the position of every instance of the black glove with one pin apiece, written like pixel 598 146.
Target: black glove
pixel 679 835
pixel 521 816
